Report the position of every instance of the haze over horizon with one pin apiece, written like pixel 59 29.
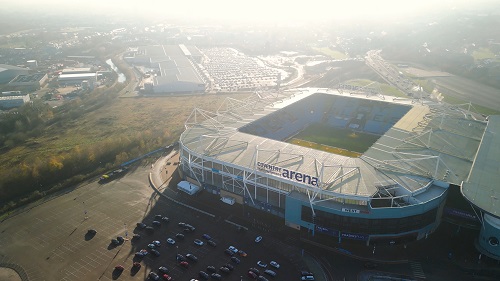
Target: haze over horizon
pixel 259 11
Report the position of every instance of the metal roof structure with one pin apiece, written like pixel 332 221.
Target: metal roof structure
pixel 481 188
pixel 430 146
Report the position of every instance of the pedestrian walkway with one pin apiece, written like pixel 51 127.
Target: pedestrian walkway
pixel 416 267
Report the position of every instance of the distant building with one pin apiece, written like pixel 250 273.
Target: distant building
pixel 78 70
pixel 29 82
pixel 77 78
pixel 8 102
pixel 9 72
pixel 32 64
pixel 173 67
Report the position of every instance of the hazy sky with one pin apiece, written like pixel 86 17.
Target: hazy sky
pixel 256 10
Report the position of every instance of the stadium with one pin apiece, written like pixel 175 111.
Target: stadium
pixel 344 162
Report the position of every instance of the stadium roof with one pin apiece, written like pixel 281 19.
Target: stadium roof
pixel 432 142
pixel 482 188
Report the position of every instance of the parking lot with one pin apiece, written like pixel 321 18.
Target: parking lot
pixel 50 241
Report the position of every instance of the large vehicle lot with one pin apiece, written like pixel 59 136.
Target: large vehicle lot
pixel 50 241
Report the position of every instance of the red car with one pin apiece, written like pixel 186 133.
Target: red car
pixel 167 277
pixel 184 264
pixel 252 275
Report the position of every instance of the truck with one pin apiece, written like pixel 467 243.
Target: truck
pixel 112 175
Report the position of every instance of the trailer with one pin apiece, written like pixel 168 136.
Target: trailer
pixel 188 187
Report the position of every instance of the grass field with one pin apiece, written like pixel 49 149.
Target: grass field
pixel 334 54
pixel 339 141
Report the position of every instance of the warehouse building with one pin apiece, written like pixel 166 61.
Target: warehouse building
pixel 9 72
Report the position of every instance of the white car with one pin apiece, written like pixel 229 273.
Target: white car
pixel 233 249
pixel 274 264
pixel 262 264
pixel 198 242
pixel 258 239
pixel 170 241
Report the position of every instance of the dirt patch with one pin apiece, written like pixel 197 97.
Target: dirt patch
pixel 8 274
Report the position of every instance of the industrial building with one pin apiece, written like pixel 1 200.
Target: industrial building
pixel 9 72
pixel 8 102
pixel 171 69
pixel 77 78
pixel 29 82
pixel 394 193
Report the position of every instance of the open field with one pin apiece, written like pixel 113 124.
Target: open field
pixel 334 54
pixel 125 117
pixel 339 141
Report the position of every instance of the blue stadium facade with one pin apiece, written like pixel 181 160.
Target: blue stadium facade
pixel 394 193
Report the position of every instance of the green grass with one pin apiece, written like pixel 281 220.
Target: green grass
pixel 474 108
pixel 483 53
pixel 385 89
pixel 345 139
pixel 334 54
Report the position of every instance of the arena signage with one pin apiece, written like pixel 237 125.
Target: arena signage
pixel 285 173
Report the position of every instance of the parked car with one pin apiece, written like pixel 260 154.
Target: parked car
pixel 120 239
pixel 216 276
pixel 170 241
pixel 224 269
pixel 155 252
pixel 119 268
pixel 270 272
pixel 306 273
pixel 184 264
pixel 151 246
pixel 180 257
pixel 198 242
pixel 262 278
pixel 274 264
pixel 206 237
pixel 192 257
pixel 235 260
pixel 156 243
pixel 192 228
pixel 153 276
pixel 233 249
pixel 230 266
pixel 254 270
pixel 228 252
pixel 181 224
pixel 212 243
pixel 150 229
pixel 115 242
pixel 242 253
pixel 262 264
pixel 203 275
pixel 163 269
pixel 157 217
pixel 258 239
pixel 136 236
pixel 167 277
pixel 307 278
pixel 165 219
pixel 179 236
pixel 136 265
pixel 211 268
pixel 141 225
pixel 252 275
pixel 91 232
pixel 156 223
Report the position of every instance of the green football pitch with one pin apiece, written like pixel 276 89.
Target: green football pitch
pixel 326 138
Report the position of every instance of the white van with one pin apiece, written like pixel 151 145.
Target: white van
pixel 228 200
